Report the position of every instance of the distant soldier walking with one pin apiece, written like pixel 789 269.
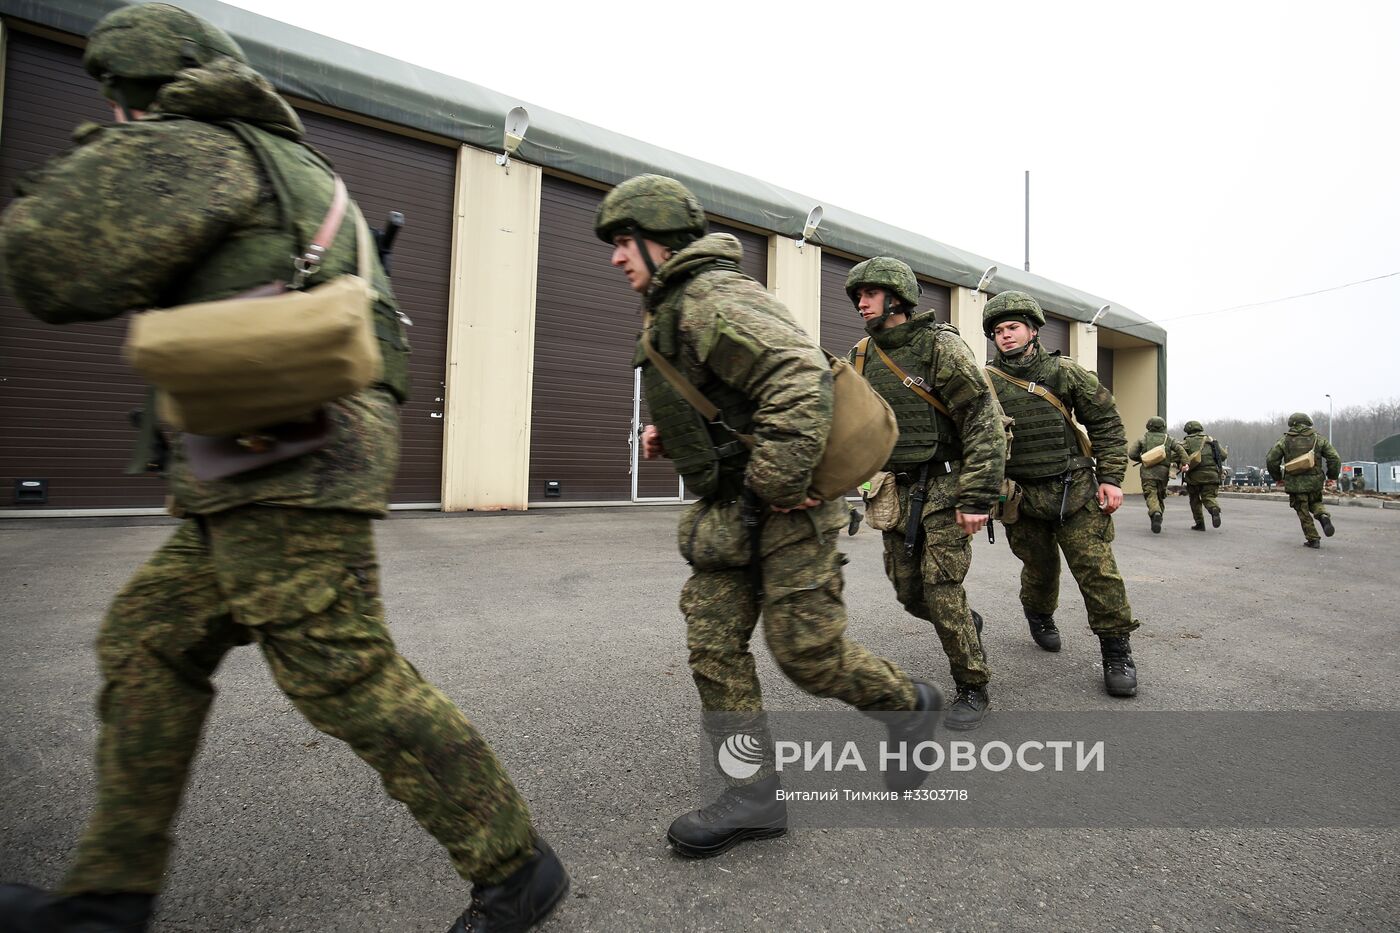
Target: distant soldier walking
pixel 1205 464
pixel 1155 453
pixel 947 465
pixel 1306 463
pixel 1071 484
pixel 203 189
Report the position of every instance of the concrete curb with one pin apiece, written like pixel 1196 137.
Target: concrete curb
pixel 1362 503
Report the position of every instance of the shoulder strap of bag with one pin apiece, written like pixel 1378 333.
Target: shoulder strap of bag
pixel 686 388
pixel 1036 389
pixel 914 384
pixel 861 349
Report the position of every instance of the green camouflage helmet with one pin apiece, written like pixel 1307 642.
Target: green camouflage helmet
pixel 1194 427
pixel 884 272
pixel 1008 305
pixel 153 41
pixel 1156 424
pixel 660 207
pixel 1299 419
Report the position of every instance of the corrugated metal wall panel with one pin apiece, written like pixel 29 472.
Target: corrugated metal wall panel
pixel 1055 334
pixel 842 325
pixel 387 172
pixel 1106 367
pixel 66 391
pixel 586 323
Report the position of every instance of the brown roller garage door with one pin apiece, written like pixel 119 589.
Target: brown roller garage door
pixel 65 392
pixel 586 323
pixel 842 325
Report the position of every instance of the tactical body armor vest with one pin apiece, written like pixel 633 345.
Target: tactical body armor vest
pixel 709 457
pixel 1162 471
pixel 1045 443
pixel 924 432
pixel 1296 445
pixel 1201 442
pixel 265 255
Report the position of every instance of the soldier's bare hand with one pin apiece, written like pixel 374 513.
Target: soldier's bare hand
pixel 811 503
pixel 651 443
pixel 970 523
pixel 1110 498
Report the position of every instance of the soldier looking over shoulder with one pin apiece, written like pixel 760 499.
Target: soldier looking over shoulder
pixel 196 194
pixel 758 542
pixel 1069 495
pixel 947 464
pixel 1156 474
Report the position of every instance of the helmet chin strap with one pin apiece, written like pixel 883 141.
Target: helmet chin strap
pixel 641 242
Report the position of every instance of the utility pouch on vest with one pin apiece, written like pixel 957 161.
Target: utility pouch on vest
pixel 1304 463
pixel 273 354
pixel 863 427
pixel 882 502
pixel 1008 507
pixel 1150 458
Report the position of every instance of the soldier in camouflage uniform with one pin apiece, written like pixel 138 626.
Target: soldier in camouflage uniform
pixel 758 542
pixel 203 189
pixel 1068 496
pixel 1305 489
pixel 953 461
pixel 1154 478
pixel 1204 474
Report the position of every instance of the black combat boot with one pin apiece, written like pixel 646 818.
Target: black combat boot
pixel 521 901
pixel 909 729
pixel 969 706
pixel 1326 522
pixel 1156 523
pixel 1313 543
pixel 1043 630
pixel 752 811
pixel 1215 518
pixel 29 910
pixel 1119 672
pixel 1199 526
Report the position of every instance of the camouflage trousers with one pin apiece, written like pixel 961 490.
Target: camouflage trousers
pixel 1086 539
pixel 1203 494
pixel 304 585
pixel 929 584
pixel 798 596
pixel 1155 492
pixel 1308 505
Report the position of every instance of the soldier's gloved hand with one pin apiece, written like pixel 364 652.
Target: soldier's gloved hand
pixel 1110 498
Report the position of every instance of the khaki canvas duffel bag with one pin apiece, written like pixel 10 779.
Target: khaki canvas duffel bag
pixel 1154 456
pixel 1303 463
pixel 273 354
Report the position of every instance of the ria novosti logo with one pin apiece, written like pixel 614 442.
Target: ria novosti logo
pixel 740 756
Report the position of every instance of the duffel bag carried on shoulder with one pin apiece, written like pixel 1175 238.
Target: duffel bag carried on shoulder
pixel 273 354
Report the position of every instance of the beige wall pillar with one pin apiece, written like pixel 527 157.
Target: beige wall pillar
pixel 1084 345
pixel 490 334
pixel 1135 390
pixel 967 306
pixel 795 279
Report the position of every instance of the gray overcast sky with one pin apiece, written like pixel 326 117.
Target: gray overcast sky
pixel 1184 157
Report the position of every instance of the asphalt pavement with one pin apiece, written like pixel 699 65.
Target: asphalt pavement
pixel 557 632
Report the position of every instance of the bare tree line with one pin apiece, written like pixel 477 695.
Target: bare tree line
pixel 1357 430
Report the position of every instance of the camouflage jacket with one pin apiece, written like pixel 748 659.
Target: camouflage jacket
pixel 1209 471
pixel 1092 405
pixel 958 383
pixel 133 215
pixel 1297 442
pixel 1176 454
pixel 728 328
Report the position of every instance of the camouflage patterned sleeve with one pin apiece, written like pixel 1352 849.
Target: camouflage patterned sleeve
pixel 1274 461
pixel 1177 452
pixel 765 356
pixel 1135 451
pixel 1094 408
pixel 958 380
pixel 104 228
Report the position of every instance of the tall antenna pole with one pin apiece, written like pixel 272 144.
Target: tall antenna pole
pixel 1028 220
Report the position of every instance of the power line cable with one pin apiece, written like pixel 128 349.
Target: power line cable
pixel 1260 304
